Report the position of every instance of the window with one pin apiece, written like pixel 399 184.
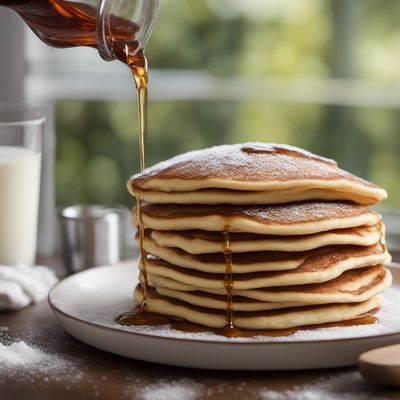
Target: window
pixel 320 74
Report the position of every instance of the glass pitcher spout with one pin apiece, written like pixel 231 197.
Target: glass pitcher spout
pixel 127 22
pixel 103 24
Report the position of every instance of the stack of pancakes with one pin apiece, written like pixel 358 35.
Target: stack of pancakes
pixel 259 236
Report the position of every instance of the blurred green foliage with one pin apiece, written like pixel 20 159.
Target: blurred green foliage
pixel 97 141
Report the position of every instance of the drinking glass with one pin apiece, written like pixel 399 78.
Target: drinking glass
pixel 21 132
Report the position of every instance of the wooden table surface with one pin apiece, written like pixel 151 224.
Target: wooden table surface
pixel 90 373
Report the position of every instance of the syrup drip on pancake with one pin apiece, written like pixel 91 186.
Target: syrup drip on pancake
pixel 228 280
pixel 143 257
pixel 381 233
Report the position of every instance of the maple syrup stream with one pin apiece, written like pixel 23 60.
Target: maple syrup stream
pixel 138 66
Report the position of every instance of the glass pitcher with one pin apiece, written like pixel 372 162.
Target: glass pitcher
pixel 114 27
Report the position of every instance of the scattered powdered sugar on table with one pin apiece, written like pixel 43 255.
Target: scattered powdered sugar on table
pixel 19 358
pixel 182 389
pixel 19 354
pixel 104 314
pixel 343 386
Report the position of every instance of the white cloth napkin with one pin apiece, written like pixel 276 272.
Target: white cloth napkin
pixel 21 285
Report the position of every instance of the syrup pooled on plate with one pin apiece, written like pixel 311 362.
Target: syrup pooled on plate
pixel 139 317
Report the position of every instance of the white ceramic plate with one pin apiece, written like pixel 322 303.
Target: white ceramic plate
pixel 87 303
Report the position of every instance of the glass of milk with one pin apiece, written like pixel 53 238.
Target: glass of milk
pixel 21 131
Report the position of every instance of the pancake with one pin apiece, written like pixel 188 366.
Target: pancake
pixel 274 319
pixel 284 219
pixel 199 242
pixel 241 262
pixel 229 196
pixel 215 262
pixel 321 265
pixel 254 167
pixel 351 286
pixel 258 236
pixel 218 302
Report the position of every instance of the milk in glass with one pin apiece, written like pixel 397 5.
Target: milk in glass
pixel 19 204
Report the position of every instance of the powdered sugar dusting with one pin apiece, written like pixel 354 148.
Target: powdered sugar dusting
pixel 181 389
pixel 342 386
pixel 230 162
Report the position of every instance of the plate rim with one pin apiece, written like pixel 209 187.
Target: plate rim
pixel 56 310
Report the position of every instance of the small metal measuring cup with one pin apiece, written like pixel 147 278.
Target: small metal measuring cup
pixel 92 235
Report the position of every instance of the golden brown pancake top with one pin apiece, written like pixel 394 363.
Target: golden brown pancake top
pixel 251 161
